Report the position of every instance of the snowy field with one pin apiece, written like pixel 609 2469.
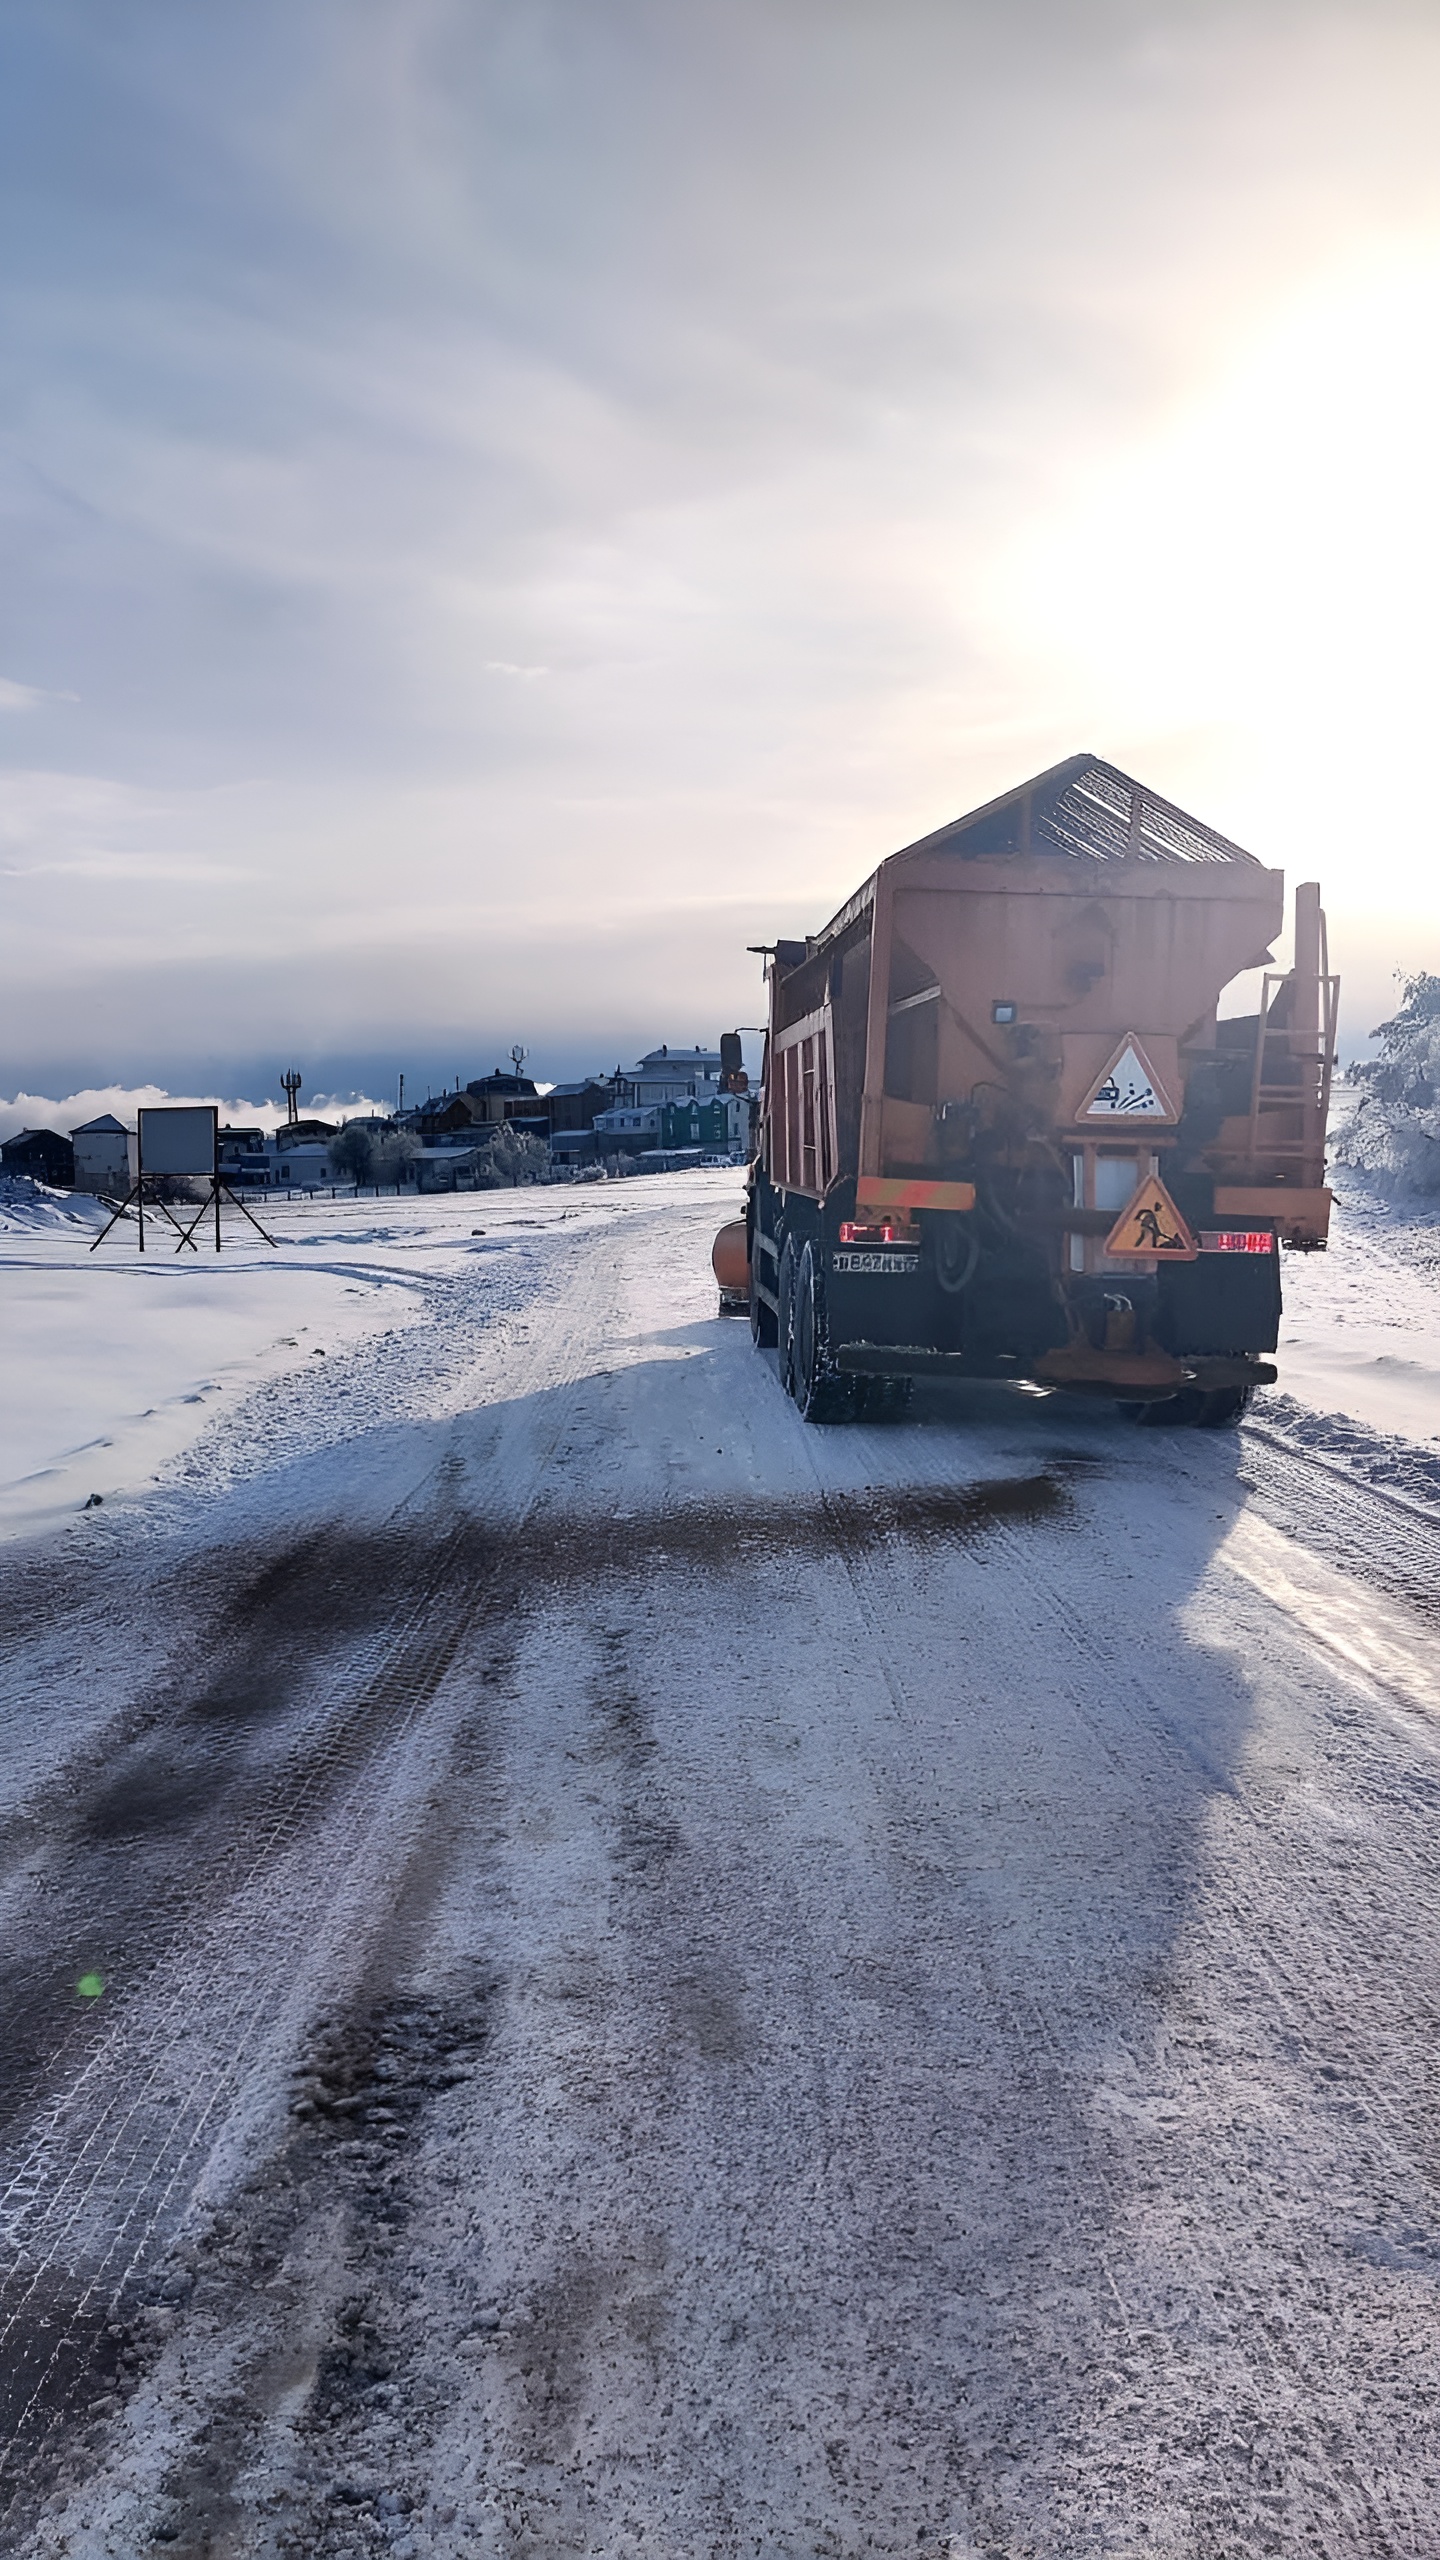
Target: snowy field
pixel 588 1969
pixel 118 1359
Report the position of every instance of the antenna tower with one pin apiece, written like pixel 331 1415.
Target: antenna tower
pixel 519 1055
pixel 292 1080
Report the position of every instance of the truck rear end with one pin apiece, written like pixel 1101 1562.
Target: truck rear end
pixel 1004 1132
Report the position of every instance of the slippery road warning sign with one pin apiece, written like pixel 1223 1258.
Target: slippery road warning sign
pixel 1152 1226
pixel 1129 1089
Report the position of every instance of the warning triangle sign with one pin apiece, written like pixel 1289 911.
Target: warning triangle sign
pixel 1152 1226
pixel 1129 1089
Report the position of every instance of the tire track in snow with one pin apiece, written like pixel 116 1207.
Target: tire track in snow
pixel 106 2173
pixel 1282 2364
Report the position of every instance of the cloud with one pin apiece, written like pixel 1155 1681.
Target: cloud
pixel 28 697
pixel 584 483
pixel 72 1110
pixel 123 867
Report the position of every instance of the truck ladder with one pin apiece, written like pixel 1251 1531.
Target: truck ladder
pixel 1294 1060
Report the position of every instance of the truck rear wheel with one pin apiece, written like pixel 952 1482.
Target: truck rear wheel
pixel 1167 1413
pixel 884 1399
pixel 764 1332
pixel 785 1319
pixel 820 1390
pixel 1196 1408
pixel 1224 1407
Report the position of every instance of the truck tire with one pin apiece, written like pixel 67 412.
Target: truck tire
pixel 1224 1407
pixel 785 1320
pixel 822 1393
pixel 764 1332
pixel 1167 1413
pixel 1194 1408
pixel 884 1399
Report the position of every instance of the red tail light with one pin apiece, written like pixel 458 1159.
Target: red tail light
pixel 885 1233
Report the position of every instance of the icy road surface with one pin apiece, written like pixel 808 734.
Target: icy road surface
pixel 589 1969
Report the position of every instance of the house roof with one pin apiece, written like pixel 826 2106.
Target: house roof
pixel 107 1125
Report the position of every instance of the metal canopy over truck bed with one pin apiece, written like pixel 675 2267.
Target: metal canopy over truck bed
pixel 996 1045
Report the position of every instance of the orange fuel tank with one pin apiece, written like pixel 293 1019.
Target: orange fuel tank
pixel 730 1262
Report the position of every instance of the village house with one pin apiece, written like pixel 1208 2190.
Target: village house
pixel 302 1152
pixel 572 1110
pixel 43 1154
pixel 675 1075
pixel 486 1103
pixel 245 1157
pixel 671 1100
pixel 627 1130
pixel 106 1154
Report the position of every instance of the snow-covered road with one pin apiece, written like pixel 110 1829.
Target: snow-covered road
pixel 590 1969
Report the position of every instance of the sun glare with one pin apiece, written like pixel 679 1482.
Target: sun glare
pixel 1264 575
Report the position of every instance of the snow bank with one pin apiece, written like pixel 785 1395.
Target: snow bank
pixel 1392 1129
pixel 31 1208
pixel 1360 1333
pixel 1388 1460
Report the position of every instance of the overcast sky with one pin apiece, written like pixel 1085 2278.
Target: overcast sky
pixel 505 505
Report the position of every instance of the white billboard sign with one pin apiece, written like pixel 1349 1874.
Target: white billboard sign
pixel 179 1139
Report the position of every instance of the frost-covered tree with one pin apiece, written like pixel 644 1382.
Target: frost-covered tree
pixel 512 1156
pixel 395 1150
pixel 1394 1130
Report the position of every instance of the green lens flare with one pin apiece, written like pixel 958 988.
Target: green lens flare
pixel 90 1986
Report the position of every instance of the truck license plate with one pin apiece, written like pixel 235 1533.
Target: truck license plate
pixel 873 1262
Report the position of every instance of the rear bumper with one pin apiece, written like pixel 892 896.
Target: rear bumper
pixel 1131 1377
pixel 1301 1219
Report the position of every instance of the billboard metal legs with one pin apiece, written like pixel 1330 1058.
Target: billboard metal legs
pixel 187 1234
pixel 135 1198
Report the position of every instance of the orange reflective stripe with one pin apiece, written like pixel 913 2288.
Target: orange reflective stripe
pixel 874 1191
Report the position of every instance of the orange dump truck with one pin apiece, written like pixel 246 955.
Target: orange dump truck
pixel 1004 1133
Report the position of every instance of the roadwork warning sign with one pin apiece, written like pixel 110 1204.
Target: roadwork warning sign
pixel 1152 1226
